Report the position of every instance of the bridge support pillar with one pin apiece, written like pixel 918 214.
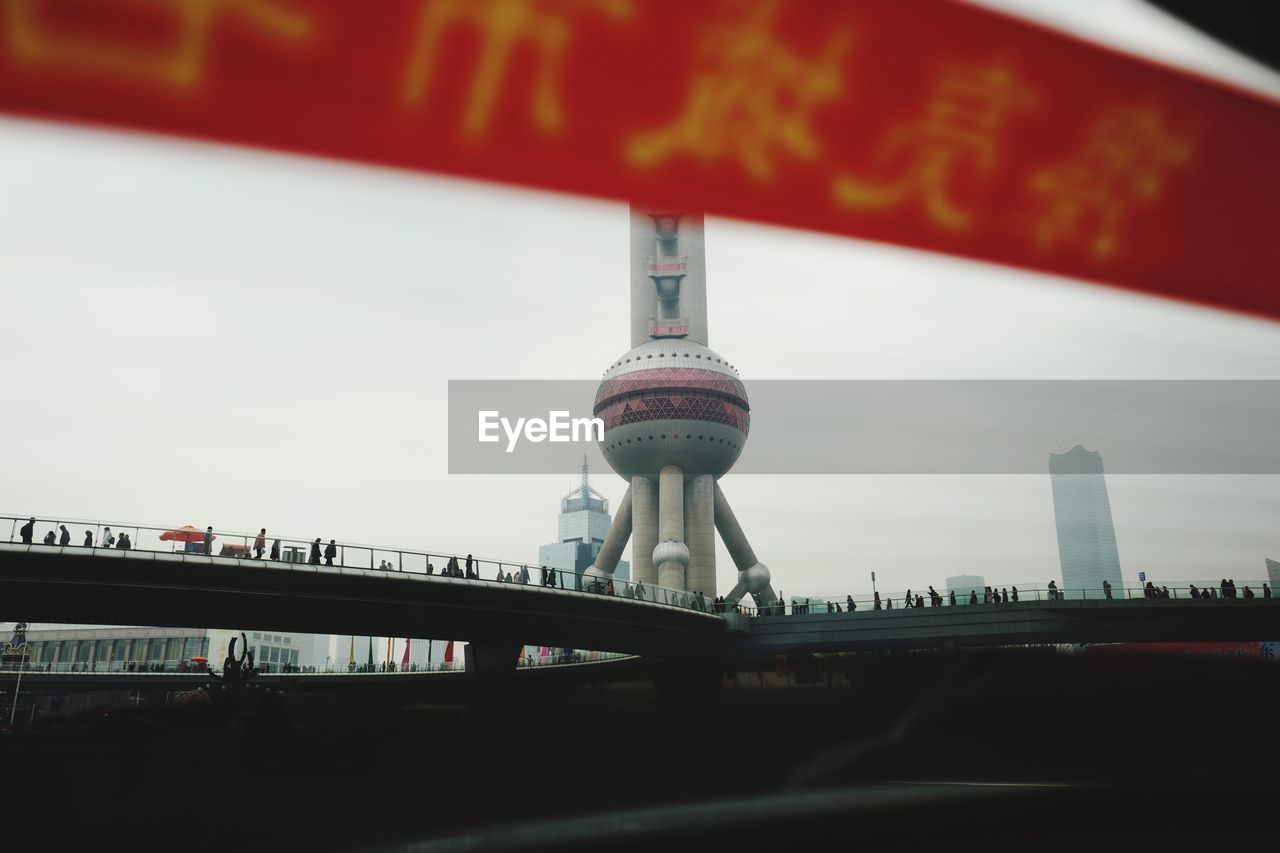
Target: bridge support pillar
pixel 492 659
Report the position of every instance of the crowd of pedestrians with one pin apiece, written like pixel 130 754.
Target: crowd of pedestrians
pixel 322 553
pixel 999 595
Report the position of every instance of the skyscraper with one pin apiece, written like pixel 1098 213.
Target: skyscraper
pixel 962 585
pixel 584 521
pixel 1086 535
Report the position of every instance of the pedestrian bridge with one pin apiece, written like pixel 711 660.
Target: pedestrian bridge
pixel 1026 622
pixel 404 596
pixel 69 584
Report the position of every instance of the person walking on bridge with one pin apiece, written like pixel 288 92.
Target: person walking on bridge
pixel 28 531
pixel 973 597
pixel 88 539
pixel 65 538
pixel 1013 593
pixel 260 543
pixel 314 557
pixel 1266 591
pixel 849 604
pixel 952 595
pixel 876 601
pixel 275 549
pixel 50 538
pixel 330 552
pixel 1106 590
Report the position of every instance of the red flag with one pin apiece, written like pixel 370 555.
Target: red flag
pixel 404 662
pixel 940 126
pixel 448 652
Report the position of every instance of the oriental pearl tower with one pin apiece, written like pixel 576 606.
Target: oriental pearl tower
pixel 675 420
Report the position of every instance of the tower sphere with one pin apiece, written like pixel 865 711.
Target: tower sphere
pixel 672 401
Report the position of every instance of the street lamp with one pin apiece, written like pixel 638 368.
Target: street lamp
pixel 17 687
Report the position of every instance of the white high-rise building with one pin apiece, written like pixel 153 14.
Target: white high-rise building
pixel 1086 536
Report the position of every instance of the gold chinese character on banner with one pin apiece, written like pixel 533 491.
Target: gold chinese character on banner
pixel 503 25
pixel 1123 164
pixel 960 130
pixel 751 98
pixel 178 66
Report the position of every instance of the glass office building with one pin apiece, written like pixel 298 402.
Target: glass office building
pixel 1086 536
pixel 584 521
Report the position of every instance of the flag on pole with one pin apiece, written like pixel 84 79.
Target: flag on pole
pixel 448 652
pixel 404 661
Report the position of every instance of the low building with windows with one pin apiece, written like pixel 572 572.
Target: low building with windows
pixel 123 649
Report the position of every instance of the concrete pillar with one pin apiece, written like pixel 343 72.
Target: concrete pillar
pixel 731 532
pixel 693 290
pixel 644 299
pixel 490 666
pixel 644 530
pixel 700 534
pixel 753 576
pixel 671 572
pixel 615 540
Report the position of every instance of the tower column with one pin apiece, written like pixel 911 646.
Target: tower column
pixel 644 529
pixel 614 541
pixel 753 576
pixel 671 554
pixel 700 534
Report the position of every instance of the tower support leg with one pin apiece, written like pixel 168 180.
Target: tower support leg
pixel 644 530
pixel 615 540
pixel 671 572
pixel 753 576
pixel 700 534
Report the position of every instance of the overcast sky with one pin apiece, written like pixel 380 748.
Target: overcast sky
pixel 206 335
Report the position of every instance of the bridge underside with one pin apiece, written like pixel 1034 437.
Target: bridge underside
pixel 74 585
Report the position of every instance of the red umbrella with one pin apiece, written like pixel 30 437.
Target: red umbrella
pixel 186 533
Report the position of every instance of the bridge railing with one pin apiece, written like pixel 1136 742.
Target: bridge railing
pixel 1251 590
pixel 94 535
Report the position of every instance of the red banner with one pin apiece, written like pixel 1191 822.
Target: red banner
pixel 928 124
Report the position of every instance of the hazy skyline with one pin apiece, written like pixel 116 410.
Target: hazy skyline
pixel 206 335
